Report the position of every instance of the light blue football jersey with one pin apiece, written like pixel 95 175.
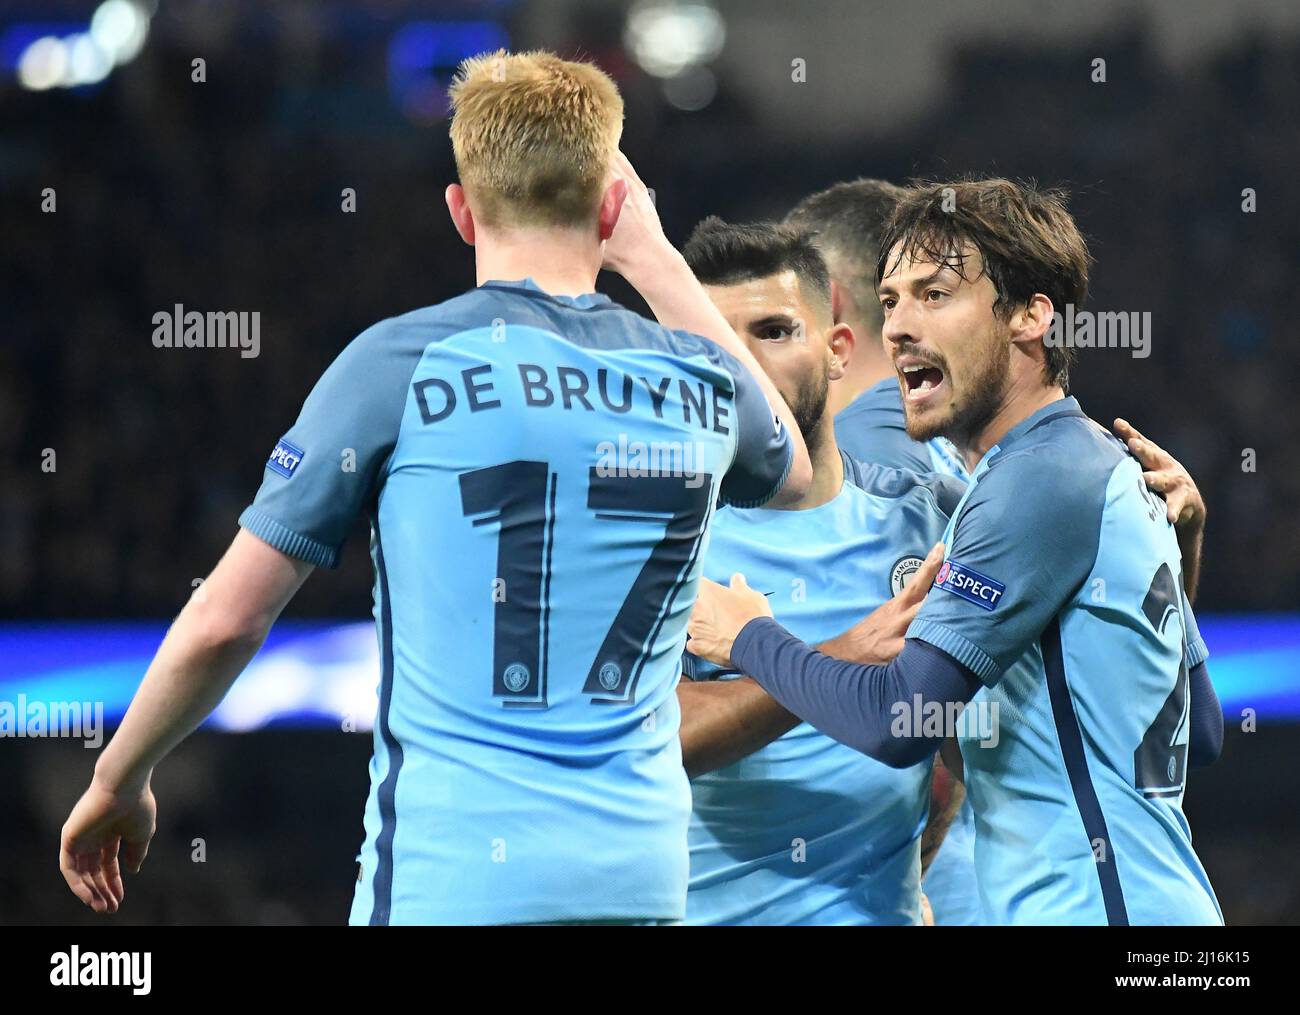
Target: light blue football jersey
pixel 873 429
pixel 539 472
pixel 806 830
pixel 1062 590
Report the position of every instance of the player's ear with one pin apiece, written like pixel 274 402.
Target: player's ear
pixel 842 342
pixel 611 206
pixel 1030 323
pixel 462 218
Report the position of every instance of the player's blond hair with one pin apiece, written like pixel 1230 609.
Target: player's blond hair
pixel 533 137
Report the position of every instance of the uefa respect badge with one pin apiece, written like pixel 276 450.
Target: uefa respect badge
pixel 284 459
pixel 968 583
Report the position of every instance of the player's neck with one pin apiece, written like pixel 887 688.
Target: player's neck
pixel 562 262
pixel 828 467
pixel 868 368
pixel 1021 403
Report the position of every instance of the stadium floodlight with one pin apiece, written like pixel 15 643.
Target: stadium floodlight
pixel 119 28
pixel 669 38
pixel 115 35
pixel 43 64
pixel 88 63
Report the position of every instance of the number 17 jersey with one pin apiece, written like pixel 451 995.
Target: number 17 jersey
pixel 539 472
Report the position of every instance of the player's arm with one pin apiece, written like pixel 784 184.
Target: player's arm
pixel 950 755
pixel 208 645
pixel 726 720
pixel 1165 475
pixel 878 637
pixel 639 251
pixel 1019 537
pixel 946 796
pixel 1205 714
pixel 299 519
pixel 1205 719
pixel 1186 510
pixel 849 702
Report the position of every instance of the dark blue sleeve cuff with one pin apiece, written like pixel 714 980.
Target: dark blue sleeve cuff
pixel 858 705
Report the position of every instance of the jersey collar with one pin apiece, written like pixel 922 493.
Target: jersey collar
pixel 583 302
pixel 1067 406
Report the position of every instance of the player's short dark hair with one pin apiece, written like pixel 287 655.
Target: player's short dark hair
pixel 1027 241
pixel 723 253
pixel 847 220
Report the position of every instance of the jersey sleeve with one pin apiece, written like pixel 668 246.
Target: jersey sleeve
pixel 1197 650
pixel 1024 542
pixel 325 469
pixel 764 451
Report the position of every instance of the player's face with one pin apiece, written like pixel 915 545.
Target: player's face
pixel 951 352
pixel 786 335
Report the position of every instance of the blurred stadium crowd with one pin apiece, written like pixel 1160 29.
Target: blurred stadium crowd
pixel 229 198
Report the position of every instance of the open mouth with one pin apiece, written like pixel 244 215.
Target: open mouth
pixel 920 380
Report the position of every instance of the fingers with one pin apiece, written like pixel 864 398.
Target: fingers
pixel 1150 456
pixel 914 592
pixel 908 613
pixel 107 856
pixel 738 582
pixel 113 872
pixel 623 169
pixel 84 875
pixel 133 855
pixel 625 165
pixel 1148 453
pixel 1128 433
pixel 81 887
pixel 1173 487
pixel 1125 430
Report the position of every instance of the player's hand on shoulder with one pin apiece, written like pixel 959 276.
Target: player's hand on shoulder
pixel 1165 475
pixel 102 823
pixel 878 637
pixel 720 614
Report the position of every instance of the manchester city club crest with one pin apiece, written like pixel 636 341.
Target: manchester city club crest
pixel 903 571
pixel 610 676
pixel 516 677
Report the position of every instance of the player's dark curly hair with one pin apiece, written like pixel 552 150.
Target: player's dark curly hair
pixel 722 253
pixel 1027 241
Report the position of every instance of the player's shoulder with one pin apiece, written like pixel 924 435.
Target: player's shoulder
pixel 413 330
pixel 885 484
pixel 1058 466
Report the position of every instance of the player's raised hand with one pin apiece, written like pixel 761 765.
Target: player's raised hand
pixel 101 823
pixel 1166 476
pixel 638 236
pixel 879 636
pixel 719 615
